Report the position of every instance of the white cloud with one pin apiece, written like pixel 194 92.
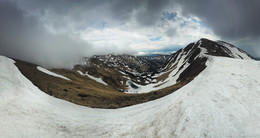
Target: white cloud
pixel 132 38
pixel 120 30
pixel 50 34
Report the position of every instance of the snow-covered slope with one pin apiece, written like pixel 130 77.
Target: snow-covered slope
pixel 233 51
pixel 222 101
pixel 189 62
pixel 136 74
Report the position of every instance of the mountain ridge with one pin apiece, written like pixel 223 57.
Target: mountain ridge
pixel 126 74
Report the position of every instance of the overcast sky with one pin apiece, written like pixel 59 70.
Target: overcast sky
pixel 57 33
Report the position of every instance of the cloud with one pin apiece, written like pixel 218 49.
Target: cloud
pixel 89 13
pixel 46 33
pixel 149 38
pixel 232 20
pixel 156 38
pixel 23 37
pixel 59 33
pixel 228 18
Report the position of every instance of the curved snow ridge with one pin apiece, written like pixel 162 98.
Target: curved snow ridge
pixel 222 101
pixel 51 73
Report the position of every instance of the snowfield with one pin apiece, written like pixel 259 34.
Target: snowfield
pixel 51 73
pixel 223 101
pixel 99 80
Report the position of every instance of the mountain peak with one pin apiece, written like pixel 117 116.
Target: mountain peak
pixel 221 48
pixel 191 60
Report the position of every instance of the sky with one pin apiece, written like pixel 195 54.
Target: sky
pixel 59 33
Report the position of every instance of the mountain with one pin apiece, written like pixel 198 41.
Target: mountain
pixel 207 89
pixel 135 65
pixel 105 81
pixel 191 60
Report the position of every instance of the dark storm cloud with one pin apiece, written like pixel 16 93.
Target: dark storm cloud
pixel 23 37
pixel 228 18
pixel 152 12
pixel 232 20
pixel 45 31
pixel 42 31
pixel 146 12
pixel 24 34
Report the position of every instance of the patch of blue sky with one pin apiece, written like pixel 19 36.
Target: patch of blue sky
pixel 170 49
pixel 199 22
pixel 156 53
pixel 156 38
pixel 99 25
pixel 194 20
pixel 168 15
pixel 202 24
pixel 104 25
pixel 165 50
pixel 122 24
pixel 183 24
pixel 80 27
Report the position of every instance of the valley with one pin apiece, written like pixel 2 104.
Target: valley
pixel 116 81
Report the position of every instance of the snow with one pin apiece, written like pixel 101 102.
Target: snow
pixel 154 80
pixel 99 80
pixel 223 101
pixel 180 61
pixel 234 52
pixel 81 73
pixel 203 50
pixel 51 73
pixel 122 73
pixel 169 81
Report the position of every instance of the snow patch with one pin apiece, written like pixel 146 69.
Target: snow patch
pixel 51 73
pixel 99 80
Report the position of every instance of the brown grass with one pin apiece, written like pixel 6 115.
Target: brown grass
pixel 87 92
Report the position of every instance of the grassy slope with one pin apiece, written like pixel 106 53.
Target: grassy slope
pixel 85 91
